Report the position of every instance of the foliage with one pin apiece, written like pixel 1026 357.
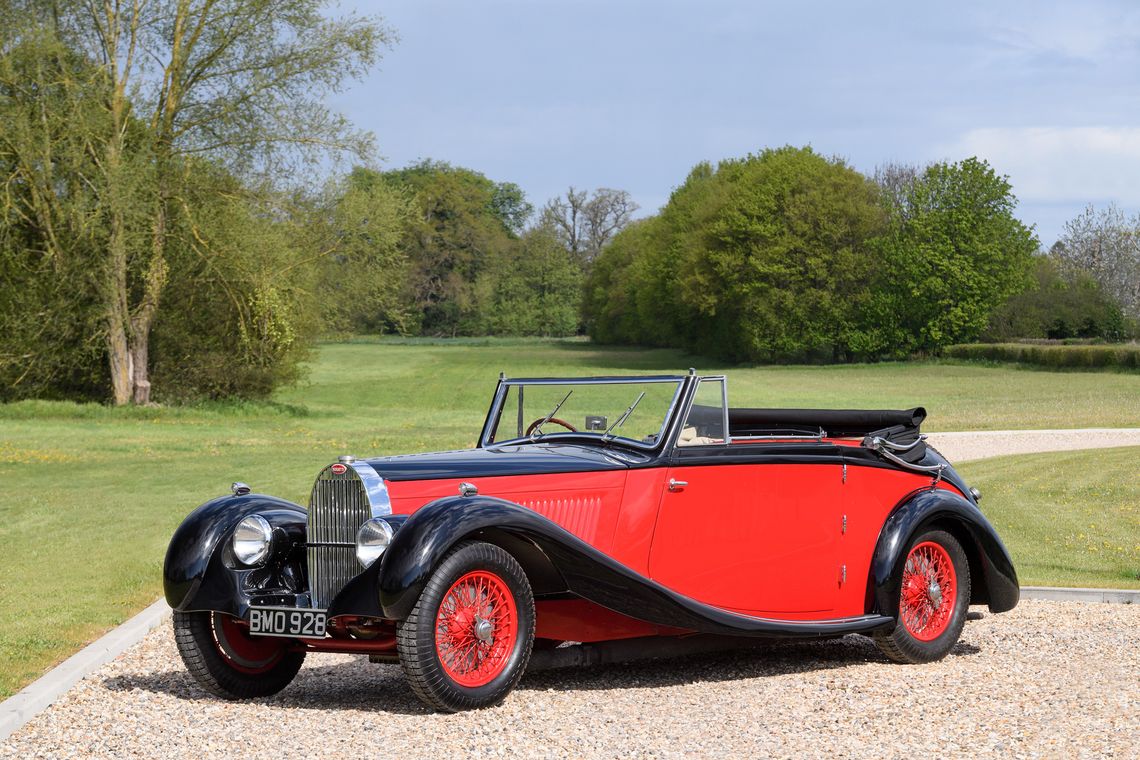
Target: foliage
pixel 1106 245
pixel 239 314
pixel 954 252
pixel 762 258
pixel 1119 356
pixel 1063 302
pixel 165 87
pixel 616 296
pixel 584 223
pixel 360 232
pixel 787 255
pixel 531 287
pixel 53 224
pixel 460 217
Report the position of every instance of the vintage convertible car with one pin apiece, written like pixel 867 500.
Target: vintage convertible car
pixel 591 510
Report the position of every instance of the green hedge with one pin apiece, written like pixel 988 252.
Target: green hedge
pixel 1119 356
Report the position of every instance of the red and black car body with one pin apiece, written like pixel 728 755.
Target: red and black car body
pixel 740 522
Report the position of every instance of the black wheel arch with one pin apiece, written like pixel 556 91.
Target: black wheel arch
pixel 994 578
pixel 199 573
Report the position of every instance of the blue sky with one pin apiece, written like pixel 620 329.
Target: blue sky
pixel 632 94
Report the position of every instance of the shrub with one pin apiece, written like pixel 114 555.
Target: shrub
pixel 1055 356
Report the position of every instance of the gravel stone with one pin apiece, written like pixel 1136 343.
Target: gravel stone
pixel 1049 679
pixel 967 446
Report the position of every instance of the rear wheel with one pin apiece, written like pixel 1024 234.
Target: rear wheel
pixel 229 663
pixel 467 641
pixel 934 595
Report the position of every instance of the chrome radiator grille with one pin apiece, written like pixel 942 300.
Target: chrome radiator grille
pixel 337 508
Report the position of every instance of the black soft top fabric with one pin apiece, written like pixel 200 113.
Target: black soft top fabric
pixel 836 422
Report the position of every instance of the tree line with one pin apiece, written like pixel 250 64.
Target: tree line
pixel 162 237
pixel 788 255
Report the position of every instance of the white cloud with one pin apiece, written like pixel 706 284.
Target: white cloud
pixel 1059 164
pixel 1083 31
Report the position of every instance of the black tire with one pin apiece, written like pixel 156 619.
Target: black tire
pixel 209 645
pixel 904 645
pixel 416 636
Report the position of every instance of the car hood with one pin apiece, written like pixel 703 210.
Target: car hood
pixel 527 459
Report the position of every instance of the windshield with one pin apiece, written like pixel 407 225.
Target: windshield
pixel 634 411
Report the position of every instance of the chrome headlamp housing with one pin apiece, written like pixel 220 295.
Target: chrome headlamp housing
pixel 252 539
pixel 371 540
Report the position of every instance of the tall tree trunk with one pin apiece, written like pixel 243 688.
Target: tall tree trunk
pixel 118 316
pixel 143 316
pixel 120 360
pixel 116 288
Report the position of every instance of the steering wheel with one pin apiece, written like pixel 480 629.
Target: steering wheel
pixel 555 420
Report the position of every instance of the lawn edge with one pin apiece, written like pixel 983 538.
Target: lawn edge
pixel 37 696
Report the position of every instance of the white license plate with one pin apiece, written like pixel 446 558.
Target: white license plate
pixel 287 621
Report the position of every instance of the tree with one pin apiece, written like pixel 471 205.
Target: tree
pixel 953 253
pixel 240 305
pixel 237 81
pixel 1062 302
pixel 531 287
pixel 584 223
pixel 761 258
pixel 1106 245
pixel 461 218
pixel 52 226
pixel 359 233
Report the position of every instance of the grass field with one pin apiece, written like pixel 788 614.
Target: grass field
pixel 91 494
pixel 1068 518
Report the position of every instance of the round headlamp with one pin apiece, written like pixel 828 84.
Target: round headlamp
pixel 252 538
pixel 371 540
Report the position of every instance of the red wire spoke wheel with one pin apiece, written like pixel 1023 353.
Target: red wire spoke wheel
pixel 929 591
pixel 467 640
pixel 934 595
pixel 245 653
pixel 228 662
pixel 476 628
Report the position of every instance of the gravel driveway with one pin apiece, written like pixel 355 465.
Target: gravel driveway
pixel 1054 679
pixel 964 447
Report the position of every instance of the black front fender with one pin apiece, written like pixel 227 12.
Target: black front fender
pixel 194 575
pixel 948 510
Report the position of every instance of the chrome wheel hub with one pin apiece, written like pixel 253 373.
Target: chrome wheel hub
pixel 483 629
pixel 934 591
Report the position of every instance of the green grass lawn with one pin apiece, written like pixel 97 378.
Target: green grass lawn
pixel 91 494
pixel 1068 518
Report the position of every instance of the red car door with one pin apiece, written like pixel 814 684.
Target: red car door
pixel 761 539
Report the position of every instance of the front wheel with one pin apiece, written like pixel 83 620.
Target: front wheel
pixel 934 595
pixel 467 641
pixel 229 663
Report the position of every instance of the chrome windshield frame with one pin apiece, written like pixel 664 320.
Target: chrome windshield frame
pixel 495 412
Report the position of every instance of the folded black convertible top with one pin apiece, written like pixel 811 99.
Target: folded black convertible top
pixel 835 422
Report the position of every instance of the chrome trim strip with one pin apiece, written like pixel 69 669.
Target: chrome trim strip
pixel 625 380
pixel 374 488
pixel 883 443
pixel 935 469
pixel 495 412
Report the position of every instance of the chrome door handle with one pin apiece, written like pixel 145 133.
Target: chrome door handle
pixel 677 485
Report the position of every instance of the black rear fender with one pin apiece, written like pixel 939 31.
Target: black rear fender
pixel 993 577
